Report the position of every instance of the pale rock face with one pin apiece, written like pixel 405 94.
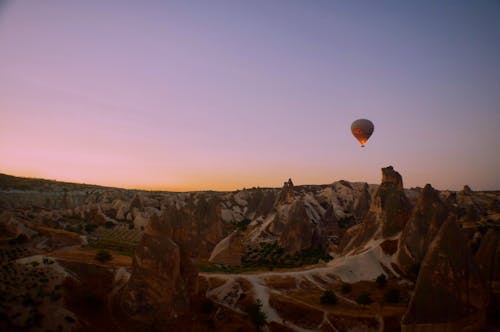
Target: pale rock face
pixel 388 214
pixel 229 250
pixel 140 220
pixel 391 178
pixel 121 208
pixel 286 194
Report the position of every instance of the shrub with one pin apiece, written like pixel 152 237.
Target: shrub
pixel 109 224
pixel 414 270
pixel 328 297
pixel 346 288
pixel 364 299
pixel 89 228
pixel 207 307
pixel 257 316
pixel 381 281
pixel 242 225
pixel 103 256
pixel 391 295
pixel 20 239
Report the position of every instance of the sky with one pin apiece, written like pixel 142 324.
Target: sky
pixel 195 95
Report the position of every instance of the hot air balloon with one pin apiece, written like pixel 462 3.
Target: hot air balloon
pixel 362 129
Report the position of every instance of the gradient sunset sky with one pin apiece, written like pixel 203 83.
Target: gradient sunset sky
pixel 187 95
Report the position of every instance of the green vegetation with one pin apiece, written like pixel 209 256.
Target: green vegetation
pixel 257 316
pixel 207 307
pixel 364 299
pixel 346 222
pixel 103 256
pixel 392 296
pixel 119 239
pixel 12 253
pixel 271 255
pixel 346 288
pixel 328 297
pixel 74 229
pixel 414 270
pixel 242 225
pixel 20 239
pixel 381 281
pixel 268 256
pixel 89 228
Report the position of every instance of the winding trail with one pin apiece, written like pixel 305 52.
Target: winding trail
pixel 366 265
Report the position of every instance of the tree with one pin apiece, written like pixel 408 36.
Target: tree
pixel 414 270
pixel 207 306
pixel 328 297
pixel 257 316
pixel 391 295
pixel 346 288
pixel 381 280
pixel 89 228
pixel 364 299
pixel 103 256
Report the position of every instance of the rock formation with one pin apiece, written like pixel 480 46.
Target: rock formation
pixel 425 221
pixel 389 211
pixel 449 294
pixel 488 260
pixel 362 203
pixel 229 250
pixel 157 286
pixel 298 232
pixel 286 194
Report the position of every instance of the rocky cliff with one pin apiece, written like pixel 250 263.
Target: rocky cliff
pixel 450 294
pixel 426 219
pixel 164 276
pixel 388 214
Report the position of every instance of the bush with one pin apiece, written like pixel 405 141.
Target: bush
pixel 392 295
pixel 89 228
pixel 257 316
pixel 328 297
pixel 364 299
pixel 207 307
pixel 109 224
pixel 346 288
pixel 242 225
pixel 103 256
pixel 381 281
pixel 20 239
pixel 414 270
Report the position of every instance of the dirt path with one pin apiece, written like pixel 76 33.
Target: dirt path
pixel 354 268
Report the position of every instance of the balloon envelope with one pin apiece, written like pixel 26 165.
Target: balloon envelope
pixel 362 129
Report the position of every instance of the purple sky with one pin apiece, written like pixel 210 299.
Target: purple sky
pixel 228 94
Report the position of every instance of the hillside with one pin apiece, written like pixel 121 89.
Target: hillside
pixel 204 259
